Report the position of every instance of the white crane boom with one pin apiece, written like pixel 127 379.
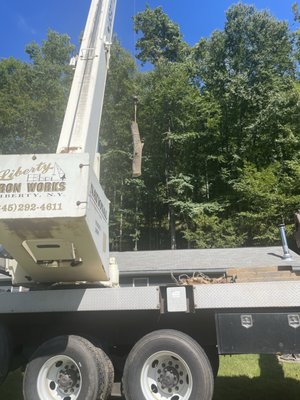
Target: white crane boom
pixel 80 130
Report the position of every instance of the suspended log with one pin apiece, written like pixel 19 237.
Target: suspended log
pixel 297 228
pixel 137 150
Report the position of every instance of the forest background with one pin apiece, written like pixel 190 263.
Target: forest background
pixel 220 122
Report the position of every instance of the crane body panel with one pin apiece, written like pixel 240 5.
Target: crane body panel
pixel 54 218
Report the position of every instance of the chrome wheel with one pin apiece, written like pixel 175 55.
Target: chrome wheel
pixel 59 379
pixel 166 376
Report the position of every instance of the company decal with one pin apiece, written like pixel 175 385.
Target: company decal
pixel 44 177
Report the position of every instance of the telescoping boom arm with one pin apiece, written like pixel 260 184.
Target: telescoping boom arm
pixel 80 130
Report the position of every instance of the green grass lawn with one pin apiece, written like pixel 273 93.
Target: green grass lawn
pixel 240 377
pixel 258 377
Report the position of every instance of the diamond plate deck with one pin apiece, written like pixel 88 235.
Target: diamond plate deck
pixel 247 295
pixel 110 299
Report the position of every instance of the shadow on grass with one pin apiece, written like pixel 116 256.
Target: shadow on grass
pixel 271 384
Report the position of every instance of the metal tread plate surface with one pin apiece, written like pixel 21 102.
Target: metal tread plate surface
pixel 279 294
pixel 68 300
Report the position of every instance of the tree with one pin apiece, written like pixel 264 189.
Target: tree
pixel 56 50
pixel 16 104
pixel 33 96
pixel 266 198
pixel 179 126
pixel 161 38
pixel 51 81
pixel 296 33
pixel 116 150
pixel 213 231
pixel 249 69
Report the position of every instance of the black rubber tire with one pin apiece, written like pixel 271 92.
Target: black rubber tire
pixel 214 359
pixel 168 341
pixel 5 353
pixel 109 373
pixel 92 366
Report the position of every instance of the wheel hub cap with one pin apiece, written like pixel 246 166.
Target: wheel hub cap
pixel 169 378
pixel 59 379
pixel 67 379
pixel 166 376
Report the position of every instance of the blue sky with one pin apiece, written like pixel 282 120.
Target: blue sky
pixel 24 21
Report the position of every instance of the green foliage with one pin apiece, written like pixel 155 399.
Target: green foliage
pixel 296 33
pixel 161 38
pixel 266 198
pixel 249 69
pixel 33 96
pixel 116 149
pixel 15 103
pixel 211 231
pixel 178 124
pixel 56 50
pixel 221 133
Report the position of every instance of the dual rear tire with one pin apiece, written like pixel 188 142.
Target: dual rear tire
pixel 163 365
pixel 68 368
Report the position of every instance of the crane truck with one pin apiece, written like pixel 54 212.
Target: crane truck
pixel 79 319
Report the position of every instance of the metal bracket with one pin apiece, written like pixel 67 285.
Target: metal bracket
pixel 88 53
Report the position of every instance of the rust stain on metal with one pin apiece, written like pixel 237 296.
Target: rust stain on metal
pixel 65 150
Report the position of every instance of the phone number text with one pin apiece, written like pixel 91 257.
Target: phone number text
pixel 13 207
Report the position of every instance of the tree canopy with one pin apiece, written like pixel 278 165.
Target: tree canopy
pixel 33 96
pixel 161 38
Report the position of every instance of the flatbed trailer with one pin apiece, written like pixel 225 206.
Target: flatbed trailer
pixel 157 325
